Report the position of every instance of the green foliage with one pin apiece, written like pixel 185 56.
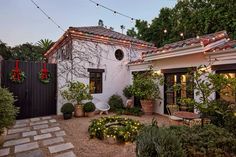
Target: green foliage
pixel 89 107
pixel 127 91
pixel 158 142
pixel 67 108
pixel 76 92
pixel 115 102
pixel 8 111
pixel 135 111
pixel 121 129
pixel 45 44
pixel 145 86
pixel 205 141
pixel 5 51
pixel 203 17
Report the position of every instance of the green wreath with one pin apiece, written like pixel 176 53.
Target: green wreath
pixel 16 80
pixel 121 129
pixel 44 80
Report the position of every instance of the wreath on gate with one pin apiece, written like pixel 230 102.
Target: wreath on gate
pixel 44 74
pixel 16 75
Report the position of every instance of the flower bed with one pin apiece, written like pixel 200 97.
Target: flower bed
pixel 121 129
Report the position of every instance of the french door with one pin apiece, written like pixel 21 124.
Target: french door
pixel 172 96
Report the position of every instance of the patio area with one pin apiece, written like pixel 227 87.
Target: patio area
pixel 77 133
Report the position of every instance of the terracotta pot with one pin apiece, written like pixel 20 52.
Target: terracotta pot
pixel 79 111
pixel 2 136
pixel 89 114
pixel 67 116
pixel 147 106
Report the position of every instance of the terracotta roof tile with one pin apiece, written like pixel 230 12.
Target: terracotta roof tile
pixel 101 31
pixel 226 46
pixel 204 40
pixel 138 61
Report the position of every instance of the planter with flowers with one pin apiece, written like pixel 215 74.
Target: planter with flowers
pixel 75 93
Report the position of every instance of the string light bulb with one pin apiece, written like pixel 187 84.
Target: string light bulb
pixel 165 30
pixel 181 34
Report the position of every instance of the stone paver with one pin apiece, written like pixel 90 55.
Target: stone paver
pixel 60 147
pixel 20 125
pixel 13 131
pixel 12 136
pixel 34 153
pixel 60 133
pixel 45 118
pixel 38 122
pixel 34 119
pixel 67 154
pixel 26 147
pixel 52 120
pixel 16 142
pixel 4 151
pixel 22 121
pixel 43 126
pixel 53 141
pixel 55 124
pixel 50 130
pixel 29 133
pixel 42 136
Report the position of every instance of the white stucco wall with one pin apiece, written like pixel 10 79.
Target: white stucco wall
pixel 97 56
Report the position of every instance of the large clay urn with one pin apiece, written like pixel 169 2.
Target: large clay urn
pixel 147 106
pixel 79 111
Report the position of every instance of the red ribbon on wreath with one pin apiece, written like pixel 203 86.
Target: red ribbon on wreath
pixel 44 72
pixel 16 72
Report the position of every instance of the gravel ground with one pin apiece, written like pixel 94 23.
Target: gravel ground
pixel 77 133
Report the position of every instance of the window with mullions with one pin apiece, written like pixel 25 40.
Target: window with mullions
pixel 95 80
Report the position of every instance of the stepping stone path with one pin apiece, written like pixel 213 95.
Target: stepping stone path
pixel 36 137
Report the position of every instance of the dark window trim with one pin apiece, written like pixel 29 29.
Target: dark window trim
pixel 177 70
pixel 90 70
pixel 96 70
pixel 224 67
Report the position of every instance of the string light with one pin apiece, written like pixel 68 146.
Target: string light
pixel 113 11
pixel 50 18
pixel 165 30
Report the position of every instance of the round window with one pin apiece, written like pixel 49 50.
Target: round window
pixel 119 54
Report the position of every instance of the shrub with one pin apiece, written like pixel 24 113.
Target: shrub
pixel 136 111
pixel 154 142
pixel 115 102
pixel 67 108
pixel 208 140
pixel 127 92
pixel 89 107
pixel 8 111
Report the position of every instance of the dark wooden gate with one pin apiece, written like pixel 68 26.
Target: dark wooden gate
pixel 33 97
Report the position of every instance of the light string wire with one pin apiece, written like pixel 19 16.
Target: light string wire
pixel 50 18
pixel 114 11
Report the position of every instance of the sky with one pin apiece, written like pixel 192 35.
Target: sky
pixel 21 21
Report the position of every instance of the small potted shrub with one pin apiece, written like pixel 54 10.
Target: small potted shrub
pixel 115 102
pixel 127 92
pixel 77 92
pixel 67 110
pixel 8 112
pixel 89 109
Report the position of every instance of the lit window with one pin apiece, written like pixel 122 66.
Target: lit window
pixel 95 80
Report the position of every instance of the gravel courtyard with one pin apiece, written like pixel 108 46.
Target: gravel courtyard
pixel 77 133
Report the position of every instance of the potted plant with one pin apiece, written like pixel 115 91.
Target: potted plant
pixel 146 88
pixel 89 109
pixel 67 110
pixel 77 92
pixel 127 92
pixel 8 112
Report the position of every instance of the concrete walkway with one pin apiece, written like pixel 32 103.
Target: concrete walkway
pixel 36 137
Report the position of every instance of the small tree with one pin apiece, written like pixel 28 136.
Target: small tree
pixel 76 92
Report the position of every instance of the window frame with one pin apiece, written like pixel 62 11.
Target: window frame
pixel 96 79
